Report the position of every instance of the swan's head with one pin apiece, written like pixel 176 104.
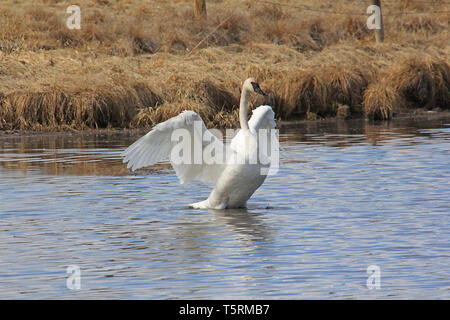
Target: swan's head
pixel 252 86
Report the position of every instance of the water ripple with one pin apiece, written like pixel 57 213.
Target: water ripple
pixel 343 199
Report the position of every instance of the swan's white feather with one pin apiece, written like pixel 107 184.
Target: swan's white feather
pixel 156 146
pixel 263 117
pixel 235 181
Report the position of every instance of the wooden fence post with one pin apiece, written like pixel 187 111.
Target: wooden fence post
pixel 379 33
pixel 200 11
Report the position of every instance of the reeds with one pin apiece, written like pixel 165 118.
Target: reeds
pixel 414 82
pixel 132 64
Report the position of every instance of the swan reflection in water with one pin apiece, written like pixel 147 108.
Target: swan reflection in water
pixel 248 225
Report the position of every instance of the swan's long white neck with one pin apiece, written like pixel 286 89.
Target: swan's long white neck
pixel 243 108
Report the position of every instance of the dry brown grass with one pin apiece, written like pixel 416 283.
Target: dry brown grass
pixel 380 101
pixel 423 82
pixel 132 63
pixel 409 84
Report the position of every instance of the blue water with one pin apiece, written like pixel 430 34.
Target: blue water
pixel 348 195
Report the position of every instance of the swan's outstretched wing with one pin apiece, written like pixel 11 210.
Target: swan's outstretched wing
pixel 263 117
pixel 260 141
pixel 157 145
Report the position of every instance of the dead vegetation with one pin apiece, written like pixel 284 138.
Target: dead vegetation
pixel 132 63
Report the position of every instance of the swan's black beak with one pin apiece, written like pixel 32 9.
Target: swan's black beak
pixel 257 89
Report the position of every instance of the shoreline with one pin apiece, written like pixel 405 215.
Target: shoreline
pixel 281 124
pixel 139 64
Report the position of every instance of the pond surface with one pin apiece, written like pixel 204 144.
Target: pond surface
pixel 348 195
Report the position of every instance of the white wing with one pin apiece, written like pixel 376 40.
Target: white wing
pixel 157 145
pixel 263 117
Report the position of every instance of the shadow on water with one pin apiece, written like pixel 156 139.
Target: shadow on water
pixel 249 224
pixel 194 230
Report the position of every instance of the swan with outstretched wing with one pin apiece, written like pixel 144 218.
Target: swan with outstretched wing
pixel 242 170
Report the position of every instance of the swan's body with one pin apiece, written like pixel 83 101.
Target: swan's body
pixel 235 181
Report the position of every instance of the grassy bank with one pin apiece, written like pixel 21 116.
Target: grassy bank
pixel 135 63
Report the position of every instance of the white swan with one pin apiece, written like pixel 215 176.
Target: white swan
pixel 235 181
